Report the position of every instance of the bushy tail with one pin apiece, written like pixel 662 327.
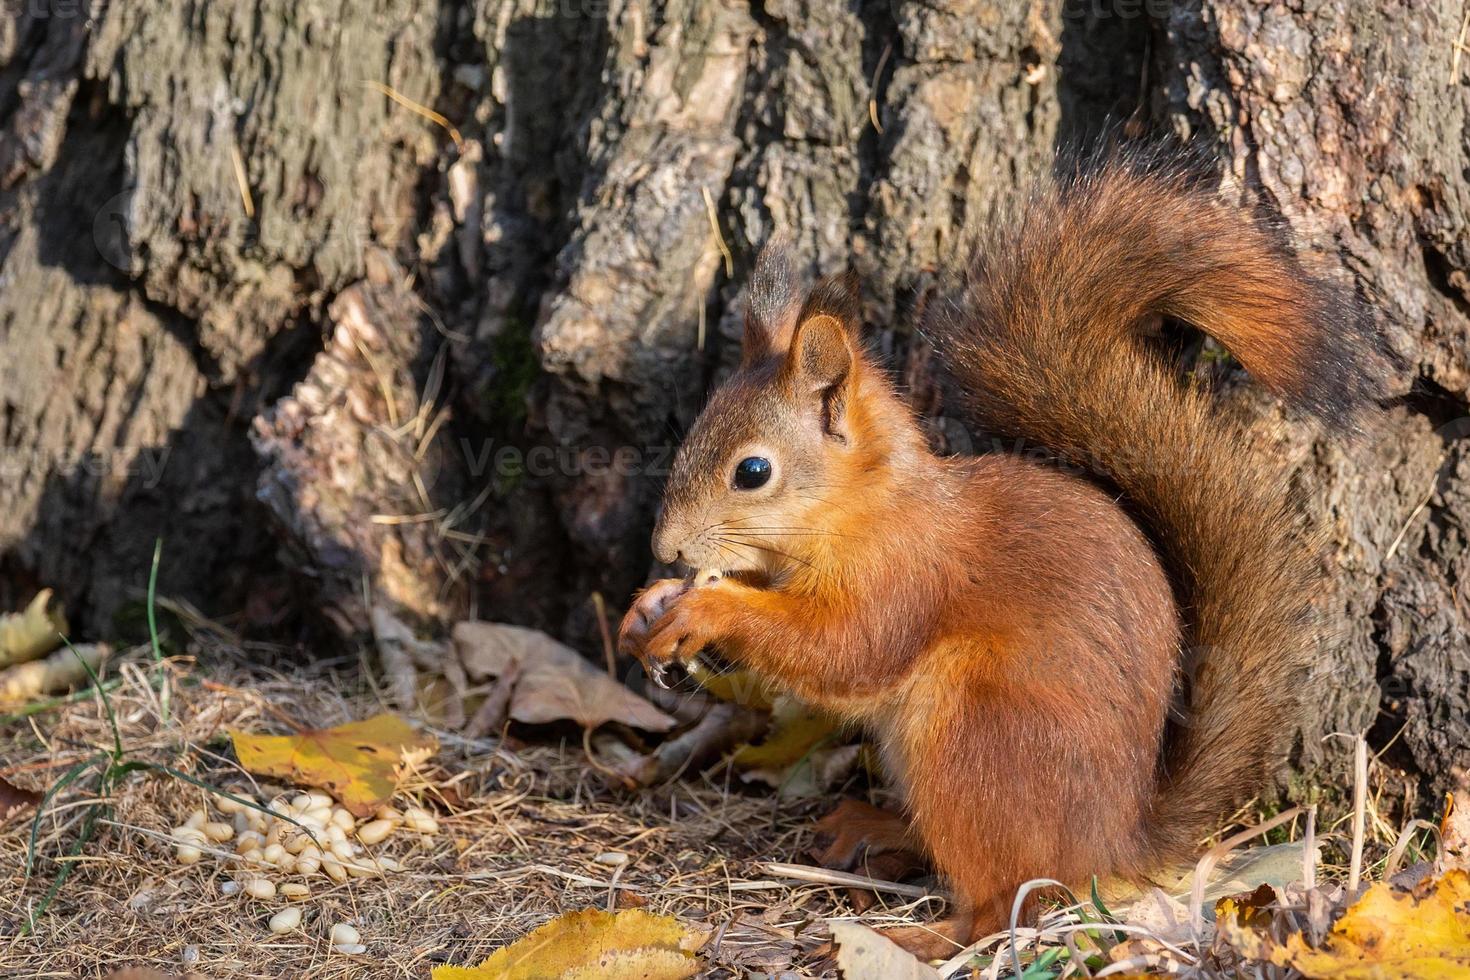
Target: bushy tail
pixel 1046 344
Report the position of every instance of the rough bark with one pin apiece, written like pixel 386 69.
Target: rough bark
pixel 549 287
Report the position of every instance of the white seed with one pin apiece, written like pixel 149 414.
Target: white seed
pixel 301 802
pixel 188 835
pixel 375 831
pixel 229 888
pixel 187 854
pixel 359 870
pixel 388 864
pixel 261 888
pixel 320 816
pixel 342 850
pixel 285 920
pixel 296 843
pixel 343 819
pixel 294 890
pixel 273 854
pixel 219 832
pixel 611 859
pixel 386 812
pixel 334 869
pixel 350 949
pixel 226 805
pixel 335 834
pixel 420 821
pixel 248 841
pixel 196 820
pixel 344 934
pixel 273 834
pixel 308 866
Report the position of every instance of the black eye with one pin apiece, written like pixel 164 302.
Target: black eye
pixel 752 472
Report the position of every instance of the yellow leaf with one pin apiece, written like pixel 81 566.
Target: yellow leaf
pixel 593 945
pixel 27 635
pixel 1418 935
pixel 356 762
pixel 795 731
pixel 742 687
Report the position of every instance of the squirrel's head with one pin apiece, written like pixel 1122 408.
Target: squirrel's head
pixel 768 464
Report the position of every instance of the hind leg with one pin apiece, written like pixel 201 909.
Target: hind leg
pixel 859 828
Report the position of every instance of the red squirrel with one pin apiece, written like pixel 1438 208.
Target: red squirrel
pixel 1014 634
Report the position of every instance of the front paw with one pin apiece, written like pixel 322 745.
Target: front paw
pixel 684 629
pixel 647 609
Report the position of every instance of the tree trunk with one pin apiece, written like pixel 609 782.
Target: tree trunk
pixel 408 301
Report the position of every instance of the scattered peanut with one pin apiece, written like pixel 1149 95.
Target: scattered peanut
pixel 294 890
pixel 187 854
pixel 343 819
pixel 350 949
pixel 261 888
pixel 375 832
pixel 285 920
pixel 420 820
pixel 196 820
pixel 344 934
pixel 219 832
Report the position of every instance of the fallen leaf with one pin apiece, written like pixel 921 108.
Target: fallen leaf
pixel 863 954
pixel 27 635
pixel 1419 935
pixel 20 683
pixel 555 683
pixel 1454 833
pixel 593 945
pixel 357 762
pixel 13 799
pixel 742 687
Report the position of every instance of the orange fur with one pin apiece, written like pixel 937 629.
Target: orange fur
pixel 1006 629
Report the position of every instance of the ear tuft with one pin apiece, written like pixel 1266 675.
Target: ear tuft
pixel 774 303
pixel 836 296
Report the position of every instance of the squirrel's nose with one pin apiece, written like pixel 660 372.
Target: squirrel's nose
pixel 664 548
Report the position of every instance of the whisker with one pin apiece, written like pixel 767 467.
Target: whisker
pixel 774 551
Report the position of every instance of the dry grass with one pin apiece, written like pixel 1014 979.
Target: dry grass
pixel 520 843
pixel 518 847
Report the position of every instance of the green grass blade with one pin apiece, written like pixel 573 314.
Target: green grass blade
pixel 163 692
pixel 67 778
pixel 117 749
pixel 89 823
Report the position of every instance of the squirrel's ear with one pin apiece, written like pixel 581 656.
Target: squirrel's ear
pixel 819 367
pixel 774 304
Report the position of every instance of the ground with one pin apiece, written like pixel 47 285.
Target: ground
pixel 529 830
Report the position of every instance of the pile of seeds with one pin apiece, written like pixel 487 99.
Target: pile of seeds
pixel 304 836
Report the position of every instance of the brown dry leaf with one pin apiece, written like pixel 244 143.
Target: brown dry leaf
pixel 27 635
pixel 555 682
pixel 1454 833
pixel 1418 935
pixel 863 954
pixel 593 945
pixel 357 762
pixel 13 799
